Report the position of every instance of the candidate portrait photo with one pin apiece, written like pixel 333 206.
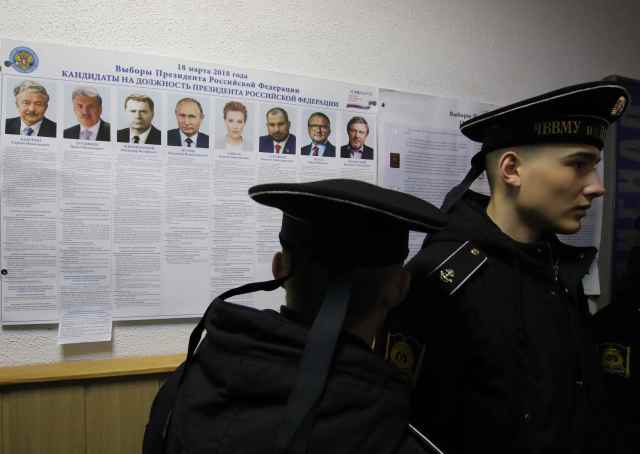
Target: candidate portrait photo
pixel 279 139
pixel 87 122
pixel 234 124
pixel 357 133
pixel 31 104
pixel 190 122
pixel 138 115
pixel 319 131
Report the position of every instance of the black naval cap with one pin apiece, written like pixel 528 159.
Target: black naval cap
pixel 348 222
pixel 576 114
pixel 579 114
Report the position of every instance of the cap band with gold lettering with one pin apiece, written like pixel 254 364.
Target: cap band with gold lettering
pixel 576 114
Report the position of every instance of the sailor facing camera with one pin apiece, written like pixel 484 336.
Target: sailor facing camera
pixel 304 379
pixel 497 309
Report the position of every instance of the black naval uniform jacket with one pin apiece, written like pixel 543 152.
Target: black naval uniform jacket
pixel 235 392
pixel 509 364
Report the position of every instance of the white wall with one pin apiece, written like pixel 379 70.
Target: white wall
pixel 488 50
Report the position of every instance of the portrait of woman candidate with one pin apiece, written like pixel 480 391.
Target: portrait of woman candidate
pixel 233 126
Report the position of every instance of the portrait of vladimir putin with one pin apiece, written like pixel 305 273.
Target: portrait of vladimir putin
pixel 189 116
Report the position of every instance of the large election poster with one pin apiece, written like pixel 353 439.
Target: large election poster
pixel 124 177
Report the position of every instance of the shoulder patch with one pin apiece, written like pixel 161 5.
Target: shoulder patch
pixel 449 265
pixel 406 353
pixel 615 359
